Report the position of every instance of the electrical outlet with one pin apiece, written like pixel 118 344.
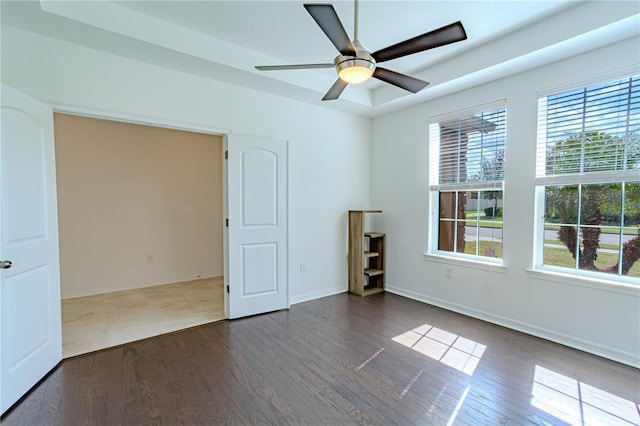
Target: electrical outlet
pixel 303 267
pixel 448 273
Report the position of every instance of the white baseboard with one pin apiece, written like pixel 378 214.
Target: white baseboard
pixel 594 348
pixel 316 295
pixel 139 285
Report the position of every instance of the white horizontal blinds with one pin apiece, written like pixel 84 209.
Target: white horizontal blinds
pixel 591 130
pixel 470 150
pixel 434 154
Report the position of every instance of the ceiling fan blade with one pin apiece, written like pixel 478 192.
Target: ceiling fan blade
pixel 336 90
pixel 293 67
pixel 327 18
pixel 446 35
pixel 402 81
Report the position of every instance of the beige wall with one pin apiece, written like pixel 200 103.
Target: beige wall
pixel 137 205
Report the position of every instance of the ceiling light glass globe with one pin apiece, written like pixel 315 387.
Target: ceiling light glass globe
pixel 355 70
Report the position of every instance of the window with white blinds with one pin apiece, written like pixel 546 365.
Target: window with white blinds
pixel 468 149
pixel 594 130
pixel 467 158
pixel 588 180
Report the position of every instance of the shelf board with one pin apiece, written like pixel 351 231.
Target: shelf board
pixel 373 272
pixel 373 234
pixel 371 254
pixel 372 290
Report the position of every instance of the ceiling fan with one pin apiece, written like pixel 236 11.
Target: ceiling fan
pixel 355 64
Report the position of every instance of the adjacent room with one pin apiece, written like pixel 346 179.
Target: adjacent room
pixel 140 230
pixel 482 180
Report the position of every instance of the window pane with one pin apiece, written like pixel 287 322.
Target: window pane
pixel 601 205
pixel 599 251
pixel 446 235
pixel 451 226
pixel 471 222
pixel 631 230
pixel 632 205
pixel 447 205
pixel 561 213
pixel 471 238
pixel 561 204
pixel 490 226
pixel 473 205
pixel 555 253
pixel 628 235
pixel 493 204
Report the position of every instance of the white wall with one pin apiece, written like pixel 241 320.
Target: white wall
pixel 593 318
pixel 329 151
pixel 330 173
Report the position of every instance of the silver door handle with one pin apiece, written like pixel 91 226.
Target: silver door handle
pixel 5 264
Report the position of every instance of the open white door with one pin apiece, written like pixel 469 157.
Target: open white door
pixel 257 210
pixel 31 342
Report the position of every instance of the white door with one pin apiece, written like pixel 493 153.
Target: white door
pixel 31 342
pixel 257 211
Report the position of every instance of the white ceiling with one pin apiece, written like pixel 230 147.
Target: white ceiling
pixel 224 40
pixel 285 31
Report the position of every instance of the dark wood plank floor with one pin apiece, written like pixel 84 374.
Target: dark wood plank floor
pixel 337 360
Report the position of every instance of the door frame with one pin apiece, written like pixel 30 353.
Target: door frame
pixel 175 125
pixel 189 127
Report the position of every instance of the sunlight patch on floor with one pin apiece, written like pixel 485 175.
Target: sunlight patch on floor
pixel 450 349
pixel 369 359
pixel 454 414
pixel 578 403
pixel 408 387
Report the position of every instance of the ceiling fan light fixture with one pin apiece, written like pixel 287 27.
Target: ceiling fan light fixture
pixel 355 70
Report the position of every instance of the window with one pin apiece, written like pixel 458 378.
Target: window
pixel 588 180
pixel 467 155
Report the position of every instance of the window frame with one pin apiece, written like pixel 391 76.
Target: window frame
pixel 435 188
pixel 542 181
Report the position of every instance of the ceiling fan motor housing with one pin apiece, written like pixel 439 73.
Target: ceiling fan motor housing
pixel 363 62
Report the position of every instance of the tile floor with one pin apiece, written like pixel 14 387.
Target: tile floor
pixel 97 322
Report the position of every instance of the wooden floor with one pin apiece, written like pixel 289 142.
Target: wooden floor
pixel 105 320
pixel 342 359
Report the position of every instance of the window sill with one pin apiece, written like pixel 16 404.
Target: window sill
pixel 583 281
pixel 467 263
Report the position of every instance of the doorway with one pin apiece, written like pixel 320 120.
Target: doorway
pixel 140 227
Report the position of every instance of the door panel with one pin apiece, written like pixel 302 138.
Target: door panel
pixel 257 211
pixel 27 289
pixel 24 214
pixel 30 342
pixel 259 269
pixel 259 188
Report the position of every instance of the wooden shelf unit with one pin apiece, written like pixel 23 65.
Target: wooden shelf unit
pixel 366 256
